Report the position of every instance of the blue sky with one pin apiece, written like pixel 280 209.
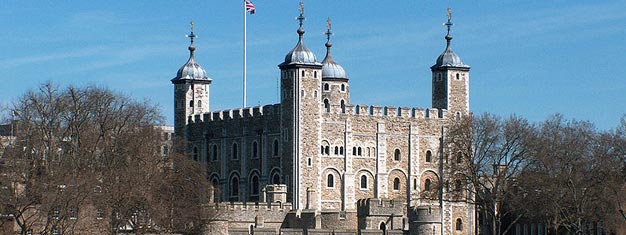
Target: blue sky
pixel 531 58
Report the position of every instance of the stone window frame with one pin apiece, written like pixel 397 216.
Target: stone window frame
pixel 255 154
pixel 233 186
pixel 330 180
pixel 396 184
pixel 458 226
pixel 326 87
pixel 343 106
pixel 234 151
pixel 343 88
pixel 275 148
pixel 429 156
pixel 397 155
pixel 327 105
pixel 363 180
pixel 309 162
pixel 214 152
pixel 252 186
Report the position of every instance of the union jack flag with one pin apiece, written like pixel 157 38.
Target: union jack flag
pixel 249 7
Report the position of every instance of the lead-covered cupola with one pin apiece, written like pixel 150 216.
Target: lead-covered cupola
pixel 191 70
pixel 330 69
pixel 300 55
pixel 449 59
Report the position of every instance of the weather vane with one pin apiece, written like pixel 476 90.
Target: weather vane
pixel 301 16
pixel 328 25
pixel 328 28
pixel 192 35
pixel 449 23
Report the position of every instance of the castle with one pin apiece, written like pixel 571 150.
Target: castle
pixel 316 163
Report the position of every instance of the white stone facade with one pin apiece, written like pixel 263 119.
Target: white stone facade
pixel 344 166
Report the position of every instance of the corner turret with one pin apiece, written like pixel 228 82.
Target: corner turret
pixel 191 90
pixel 450 79
pixel 335 90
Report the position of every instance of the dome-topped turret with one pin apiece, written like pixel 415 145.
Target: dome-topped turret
pixel 191 70
pixel 300 54
pixel 449 59
pixel 330 69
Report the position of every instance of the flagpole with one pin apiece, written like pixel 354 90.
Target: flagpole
pixel 244 53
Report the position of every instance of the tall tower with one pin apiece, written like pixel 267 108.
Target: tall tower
pixel 450 78
pixel 191 90
pixel 335 90
pixel 301 75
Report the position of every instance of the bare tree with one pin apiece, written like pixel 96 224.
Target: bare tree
pixel 77 147
pixel 485 156
pixel 575 171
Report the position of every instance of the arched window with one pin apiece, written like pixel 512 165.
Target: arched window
pixel 326 105
pixel 396 155
pixel 396 184
pixel 276 178
pixel 302 73
pixel 459 223
pixel 309 162
pixel 415 183
pixel 326 87
pixel 234 189
pixel 235 154
pixel 336 150
pixel 275 152
pixel 255 150
pixel 254 190
pixel 429 156
pixel 322 150
pixel 327 150
pixel 214 155
pixel 427 185
pixel 330 181
pixel 458 77
pixel 343 106
pixel 458 116
pixel 459 157
pixel 359 151
pixel 341 150
pixel 343 87
pixel 363 182
pixel 191 103
pixel 457 185
pixel 354 151
pixel 199 103
pixel 314 74
pixel 195 154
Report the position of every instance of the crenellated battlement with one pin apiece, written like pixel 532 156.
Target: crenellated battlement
pixel 236 114
pixel 399 112
pixel 253 206
pixel 377 206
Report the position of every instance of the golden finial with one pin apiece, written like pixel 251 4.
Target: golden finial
pixel 449 14
pixel 301 8
pixel 328 25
